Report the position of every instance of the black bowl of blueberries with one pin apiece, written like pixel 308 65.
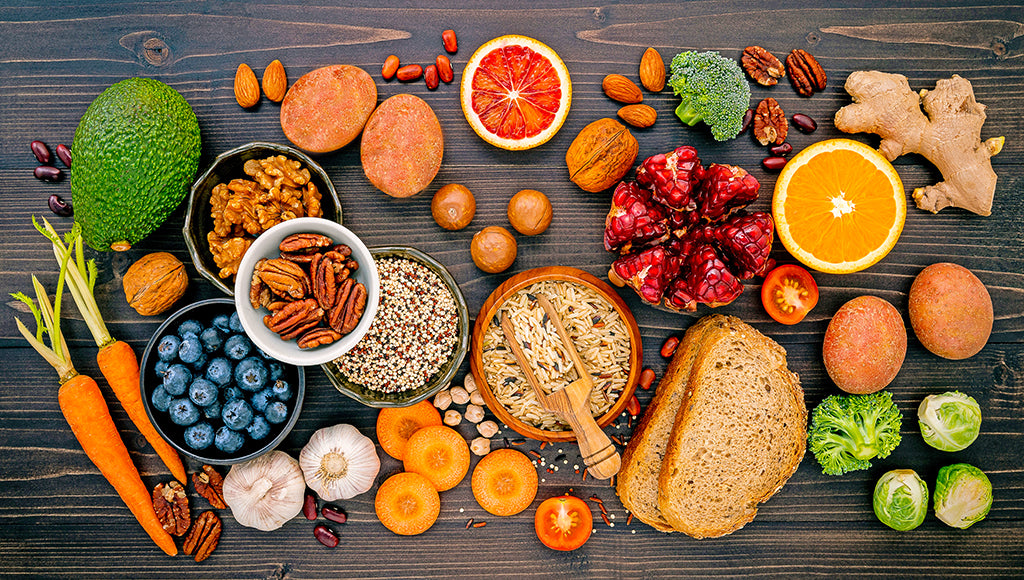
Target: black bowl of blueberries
pixel 211 393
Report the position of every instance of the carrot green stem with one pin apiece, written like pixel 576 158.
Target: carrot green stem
pixel 48 322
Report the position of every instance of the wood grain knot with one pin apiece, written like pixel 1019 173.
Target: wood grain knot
pixel 157 53
pixel 813 38
pixel 148 47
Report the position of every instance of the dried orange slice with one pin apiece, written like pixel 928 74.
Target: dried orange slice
pixel 515 92
pixel 407 504
pixel 504 482
pixel 395 425
pixel 839 206
pixel 438 453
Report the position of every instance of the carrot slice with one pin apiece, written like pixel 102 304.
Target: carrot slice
pixel 504 482
pixel 396 425
pixel 407 504
pixel 438 453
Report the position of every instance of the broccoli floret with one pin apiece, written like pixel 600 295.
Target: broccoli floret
pixel 848 430
pixel 713 90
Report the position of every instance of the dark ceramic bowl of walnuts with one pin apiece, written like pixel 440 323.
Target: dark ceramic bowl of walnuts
pixel 225 213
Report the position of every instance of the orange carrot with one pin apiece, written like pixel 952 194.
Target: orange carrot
pixel 116 359
pixel 121 369
pixel 86 412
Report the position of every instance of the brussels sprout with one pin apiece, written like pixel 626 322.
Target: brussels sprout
pixel 963 495
pixel 901 499
pixel 950 421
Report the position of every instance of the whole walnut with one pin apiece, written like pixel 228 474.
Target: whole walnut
pixel 154 283
pixel 601 155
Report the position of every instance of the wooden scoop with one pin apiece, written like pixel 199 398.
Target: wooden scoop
pixel 571 403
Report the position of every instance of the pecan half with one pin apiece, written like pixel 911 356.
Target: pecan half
pixel 343 250
pixel 762 66
pixel 298 257
pixel 171 506
pixel 210 485
pixel 805 73
pixel 324 281
pixel 285 278
pixel 293 316
pixel 202 539
pixel 770 124
pixel 354 307
pixel 336 319
pixel 318 337
pixel 305 242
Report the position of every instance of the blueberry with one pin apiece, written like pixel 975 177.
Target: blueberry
pixel 199 436
pixel 259 428
pixel 167 348
pixel 276 412
pixel 183 411
pixel 235 323
pixel 161 399
pixel 228 441
pixel 191 350
pixel 282 390
pixel 231 393
pixel 200 365
pixel 222 323
pixel 261 399
pixel 219 371
pixel 177 378
pixel 211 339
pixel 202 392
pixel 251 374
pixel 212 411
pixel 276 369
pixel 237 414
pixel 237 346
pixel 189 327
pixel 161 367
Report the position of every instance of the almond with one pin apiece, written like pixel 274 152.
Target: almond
pixel 247 89
pixel 275 82
pixel 638 115
pixel 619 88
pixel 652 71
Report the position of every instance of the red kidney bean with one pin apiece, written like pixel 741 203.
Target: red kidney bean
pixel 804 123
pixel 747 118
pixel 309 507
pixel 335 514
pixel 325 536
pixel 633 406
pixel 41 151
pixel 409 72
pixel 430 76
pixel 647 379
pixel 48 173
pixel 783 149
pixel 774 163
pixel 668 348
pixel 390 67
pixel 59 206
pixel 451 43
pixel 444 69
pixel 64 154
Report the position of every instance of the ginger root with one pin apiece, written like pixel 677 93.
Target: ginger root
pixel 949 136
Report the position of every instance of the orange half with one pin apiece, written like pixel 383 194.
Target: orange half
pixel 839 206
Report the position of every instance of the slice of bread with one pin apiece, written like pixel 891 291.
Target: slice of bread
pixel 739 435
pixel 637 483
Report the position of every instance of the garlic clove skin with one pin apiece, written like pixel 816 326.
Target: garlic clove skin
pixel 265 492
pixel 339 462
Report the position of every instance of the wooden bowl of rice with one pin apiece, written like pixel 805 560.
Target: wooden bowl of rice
pixel 603 330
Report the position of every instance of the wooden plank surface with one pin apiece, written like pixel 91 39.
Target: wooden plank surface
pixel 60 518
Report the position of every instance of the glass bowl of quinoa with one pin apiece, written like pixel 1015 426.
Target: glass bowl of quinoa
pixel 417 340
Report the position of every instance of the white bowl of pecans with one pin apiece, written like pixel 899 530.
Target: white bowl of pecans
pixel 307 291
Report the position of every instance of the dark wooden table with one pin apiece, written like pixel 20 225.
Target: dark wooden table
pixel 60 518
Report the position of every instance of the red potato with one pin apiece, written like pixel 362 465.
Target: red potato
pixel 865 345
pixel 327 108
pixel 402 146
pixel 950 311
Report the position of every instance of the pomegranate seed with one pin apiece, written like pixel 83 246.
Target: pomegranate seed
pixel 668 348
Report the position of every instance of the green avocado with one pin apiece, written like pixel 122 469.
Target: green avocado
pixel 136 151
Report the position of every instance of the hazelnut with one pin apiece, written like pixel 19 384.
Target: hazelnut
pixel 493 249
pixel 529 212
pixel 453 207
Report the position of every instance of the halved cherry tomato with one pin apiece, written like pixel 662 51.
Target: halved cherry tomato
pixel 789 293
pixel 563 522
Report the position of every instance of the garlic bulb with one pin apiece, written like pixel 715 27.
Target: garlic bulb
pixel 339 462
pixel 265 492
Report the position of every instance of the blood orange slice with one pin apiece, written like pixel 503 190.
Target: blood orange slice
pixel 515 92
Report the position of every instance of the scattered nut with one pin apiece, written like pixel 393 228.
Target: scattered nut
pixel 275 82
pixel 443 400
pixel 459 395
pixel 805 73
pixel 476 398
pixel 652 71
pixel 762 66
pixel 639 115
pixel 452 417
pixel 529 212
pixel 487 428
pixel 480 446
pixel 770 124
pixel 474 413
pixel 619 88
pixel 247 88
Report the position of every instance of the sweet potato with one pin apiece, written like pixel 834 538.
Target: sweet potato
pixel 327 107
pixel 950 311
pixel 402 146
pixel 865 345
